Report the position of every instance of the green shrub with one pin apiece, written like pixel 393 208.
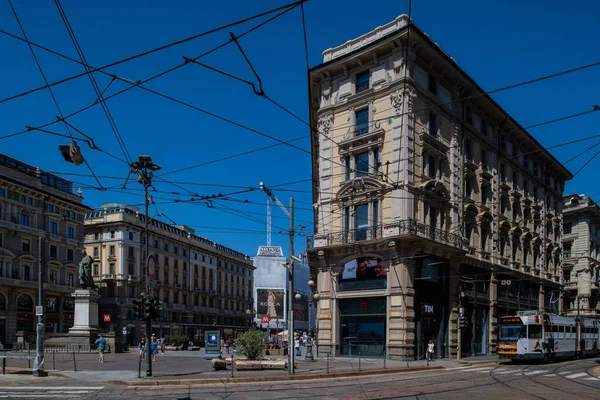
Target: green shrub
pixel 251 343
pixel 177 339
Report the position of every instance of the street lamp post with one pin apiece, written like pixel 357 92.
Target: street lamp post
pixel 145 168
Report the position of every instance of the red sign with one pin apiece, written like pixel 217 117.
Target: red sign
pixel 363 306
pixel 106 317
pixel 265 319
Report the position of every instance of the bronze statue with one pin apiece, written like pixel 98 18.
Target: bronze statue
pixel 85 275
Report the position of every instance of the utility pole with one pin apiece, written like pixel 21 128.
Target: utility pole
pixel 145 168
pixel 38 364
pixel 291 293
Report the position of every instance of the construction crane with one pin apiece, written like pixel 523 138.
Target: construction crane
pixel 271 198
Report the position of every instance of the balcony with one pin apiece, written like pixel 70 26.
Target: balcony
pixel 485 173
pixel 178 306
pixel 209 310
pixel 433 141
pixel 108 277
pixel 133 278
pixel 408 227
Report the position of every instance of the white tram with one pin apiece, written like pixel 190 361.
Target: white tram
pixel 531 335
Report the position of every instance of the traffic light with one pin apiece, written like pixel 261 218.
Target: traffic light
pixel 157 307
pixel 138 308
pixel 148 308
pixel 71 153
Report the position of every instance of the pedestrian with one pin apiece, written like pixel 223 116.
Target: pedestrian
pixel 101 342
pixel 430 350
pixel 162 345
pixel 227 344
pixel 297 347
pixel 154 347
pixel 142 347
pixel 222 345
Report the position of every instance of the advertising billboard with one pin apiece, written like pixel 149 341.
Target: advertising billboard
pixel 270 303
pixel 301 308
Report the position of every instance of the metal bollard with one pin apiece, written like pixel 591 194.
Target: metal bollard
pixel 359 353
pixel 327 362
pixel 4 363
pixel 384 359
pixel 74 363
pixel 53 360
pixel 29 358
pixel 406 361
pixel 140 368
pixel 427 359
pixel 232 366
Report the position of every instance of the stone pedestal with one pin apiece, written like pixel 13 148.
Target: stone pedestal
pixel 85 328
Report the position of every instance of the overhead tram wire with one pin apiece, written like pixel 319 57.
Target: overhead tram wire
pixel 239 36
pixel 79 50
pixel 39 66
pixel 139 83
pixel 160 48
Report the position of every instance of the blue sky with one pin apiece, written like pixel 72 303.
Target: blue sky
pixel 497 42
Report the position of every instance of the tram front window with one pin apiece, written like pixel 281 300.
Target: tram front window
pixel 511 333
pixel 535 332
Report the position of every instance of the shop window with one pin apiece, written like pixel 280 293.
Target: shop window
pixel 52 304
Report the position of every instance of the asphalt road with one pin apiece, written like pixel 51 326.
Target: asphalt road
pixel 563 380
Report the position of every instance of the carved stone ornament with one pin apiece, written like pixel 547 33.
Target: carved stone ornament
pixel 326 89
pixel 398 64
pixel 325 123
pixel 410 99
pixel 455 131
pixel 396 98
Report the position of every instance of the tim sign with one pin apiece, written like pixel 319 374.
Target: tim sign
pixel 106 317
pixel 265 319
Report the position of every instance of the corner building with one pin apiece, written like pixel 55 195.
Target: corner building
pixel 434 209
pixel 41 227
pixel 203 285
pixel 581 255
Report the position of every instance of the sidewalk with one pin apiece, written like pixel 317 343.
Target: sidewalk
pixel 178 366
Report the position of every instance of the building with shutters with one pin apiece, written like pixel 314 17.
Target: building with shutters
pixel 41 225
pixel 429 200
pixel 203 285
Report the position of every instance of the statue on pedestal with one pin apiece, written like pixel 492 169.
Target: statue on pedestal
pixel 85 275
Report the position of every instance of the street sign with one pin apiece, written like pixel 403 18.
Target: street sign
pixel 106 317
pixel 39 311
pixel 151 265
pixel 265 319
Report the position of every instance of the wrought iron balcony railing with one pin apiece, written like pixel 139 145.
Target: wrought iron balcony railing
pixel 408 227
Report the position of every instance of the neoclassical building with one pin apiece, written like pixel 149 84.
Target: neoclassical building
pixel 41 225
pixel 202 284
pixel 581 255
pixel 432 204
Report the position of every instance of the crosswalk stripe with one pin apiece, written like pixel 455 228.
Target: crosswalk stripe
pixel 564 372
pixel 575 376
pixel 535 372
pixel 507 372
pixel 548 375
pixel 591 378
pixel 52 388
pixel 478 369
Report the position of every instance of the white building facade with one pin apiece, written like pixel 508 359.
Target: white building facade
pixel 432 204
pixel 271 288
pixel 581 256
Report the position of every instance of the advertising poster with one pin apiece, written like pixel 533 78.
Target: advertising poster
pixel 364 269
pixel 301 309
pixel 270 303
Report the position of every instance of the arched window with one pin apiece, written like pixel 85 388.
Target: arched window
pixel 25 303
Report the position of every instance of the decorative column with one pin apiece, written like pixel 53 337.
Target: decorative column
pixel 541 299
pixel 493 316
pixel 401 306
pixel 402 153
pixel 454 298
